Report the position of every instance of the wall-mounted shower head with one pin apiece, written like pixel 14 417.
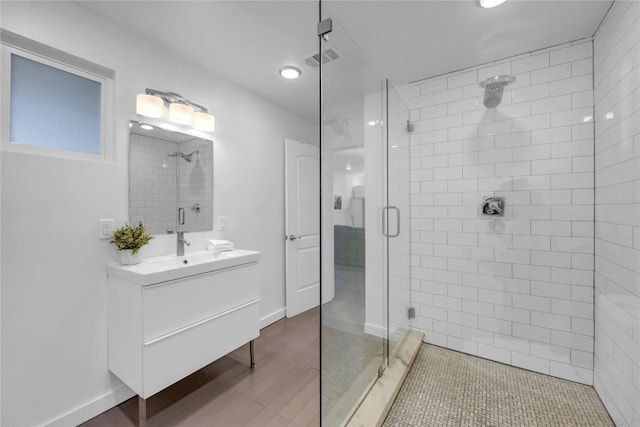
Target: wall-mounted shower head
pixel 186 157
pixel 493 88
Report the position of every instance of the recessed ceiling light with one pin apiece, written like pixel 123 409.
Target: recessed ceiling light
pixel 290 72
pixel 348 166
pixel 488 4
pixel 146 126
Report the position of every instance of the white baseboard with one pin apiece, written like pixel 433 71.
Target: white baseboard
pixel 273 317
pixel 93 408
pixel 375 330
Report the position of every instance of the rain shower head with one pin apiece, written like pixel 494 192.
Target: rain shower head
pixel 493 88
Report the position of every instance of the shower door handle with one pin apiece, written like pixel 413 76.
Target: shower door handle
pixel 384 223
pixel 181 216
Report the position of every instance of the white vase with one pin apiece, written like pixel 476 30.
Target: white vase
pixel 128 258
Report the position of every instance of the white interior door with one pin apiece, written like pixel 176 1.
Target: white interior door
pixel 302 195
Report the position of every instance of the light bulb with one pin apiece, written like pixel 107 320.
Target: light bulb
pixel 290 72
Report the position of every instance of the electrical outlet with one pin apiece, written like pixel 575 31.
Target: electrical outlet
pixel 105 228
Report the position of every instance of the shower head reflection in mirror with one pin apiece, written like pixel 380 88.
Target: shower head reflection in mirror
pixel 186 157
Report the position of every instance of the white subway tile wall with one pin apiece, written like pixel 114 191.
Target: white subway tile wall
pixel 516 289
pixel 617 233
pixel 152 182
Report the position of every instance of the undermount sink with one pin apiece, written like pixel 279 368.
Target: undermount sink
pixel 172 267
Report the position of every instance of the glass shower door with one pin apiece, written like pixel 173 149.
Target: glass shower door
pixel 353 332
pixel 364 148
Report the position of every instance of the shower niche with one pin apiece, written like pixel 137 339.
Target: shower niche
pixel 170 180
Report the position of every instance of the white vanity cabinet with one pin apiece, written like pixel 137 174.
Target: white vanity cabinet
pixel 165 325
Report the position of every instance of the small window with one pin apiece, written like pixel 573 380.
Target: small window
pixel 54 107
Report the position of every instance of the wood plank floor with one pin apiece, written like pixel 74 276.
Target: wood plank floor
pixel 282 390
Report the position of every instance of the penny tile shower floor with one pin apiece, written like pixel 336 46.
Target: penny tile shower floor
pixel 447 388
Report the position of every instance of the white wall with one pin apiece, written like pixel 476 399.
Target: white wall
pixel 54 337
pixel 617 244
pixel 517 289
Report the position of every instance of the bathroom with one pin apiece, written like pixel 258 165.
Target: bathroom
pixel 561 257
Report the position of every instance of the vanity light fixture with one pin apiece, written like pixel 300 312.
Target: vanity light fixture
pixel 203 121
pixel 149 105
pixel 290 72
pixel 488 4
pixel 181 110
pixel 181 113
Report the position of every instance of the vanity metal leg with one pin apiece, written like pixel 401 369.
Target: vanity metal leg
pixel 142 412
pixel 253 363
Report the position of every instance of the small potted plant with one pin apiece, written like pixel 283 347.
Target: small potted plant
pixel 128 241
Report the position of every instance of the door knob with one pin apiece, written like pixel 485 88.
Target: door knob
pixel 292 237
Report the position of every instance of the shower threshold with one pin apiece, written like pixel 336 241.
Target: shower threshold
pixel 376 402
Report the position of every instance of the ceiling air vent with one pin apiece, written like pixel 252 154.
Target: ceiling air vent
pixel 327 55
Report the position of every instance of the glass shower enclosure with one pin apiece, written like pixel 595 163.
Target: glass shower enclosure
pixel 364 145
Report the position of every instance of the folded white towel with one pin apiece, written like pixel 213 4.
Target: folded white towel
pixel 214 242
pixel 217 246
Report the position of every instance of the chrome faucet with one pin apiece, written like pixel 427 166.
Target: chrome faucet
pixel 181 242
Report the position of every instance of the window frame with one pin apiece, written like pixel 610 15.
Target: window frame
pixel 62 63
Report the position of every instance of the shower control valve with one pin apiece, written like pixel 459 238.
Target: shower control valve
pixel 492 206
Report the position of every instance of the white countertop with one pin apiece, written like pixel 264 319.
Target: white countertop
pixel 171 267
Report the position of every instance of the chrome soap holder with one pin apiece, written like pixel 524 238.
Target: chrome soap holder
pixel 492 206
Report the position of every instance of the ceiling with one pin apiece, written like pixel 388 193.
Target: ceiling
pixel 246 42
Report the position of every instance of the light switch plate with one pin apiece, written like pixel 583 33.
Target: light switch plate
pixel 222 223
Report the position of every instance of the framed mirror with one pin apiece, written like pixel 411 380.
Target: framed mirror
pixel 170 180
